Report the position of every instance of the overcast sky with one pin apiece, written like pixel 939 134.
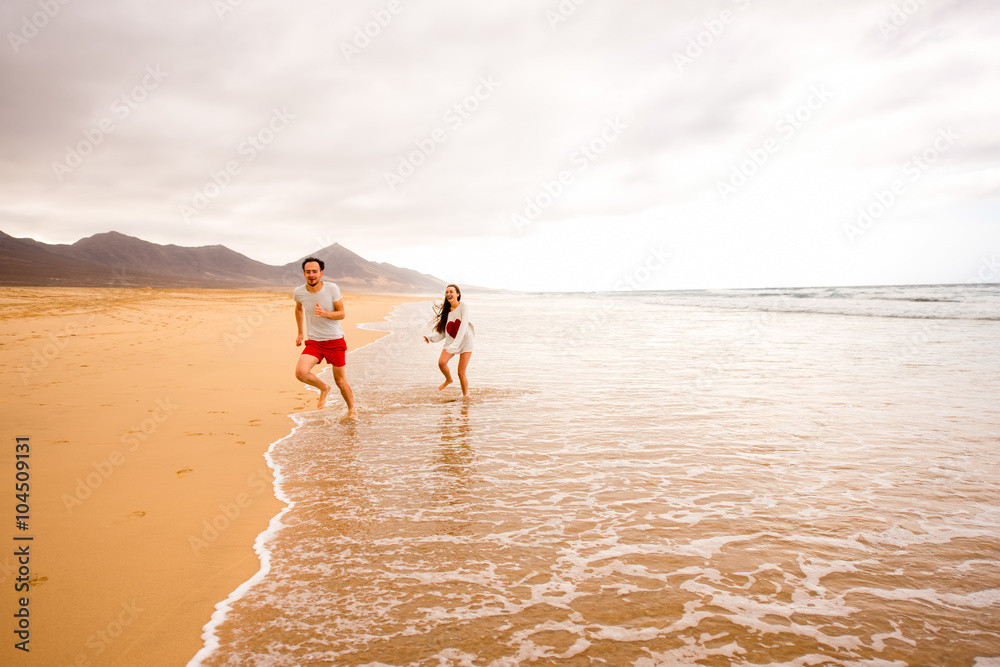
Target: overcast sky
pixel 531 145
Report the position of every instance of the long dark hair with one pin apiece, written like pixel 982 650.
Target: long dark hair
pixel 441 310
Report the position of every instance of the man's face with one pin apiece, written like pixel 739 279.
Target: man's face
pixel 312 273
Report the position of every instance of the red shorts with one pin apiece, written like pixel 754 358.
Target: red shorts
pixel 332 350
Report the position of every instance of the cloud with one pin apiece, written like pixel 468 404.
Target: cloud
pixel 413 129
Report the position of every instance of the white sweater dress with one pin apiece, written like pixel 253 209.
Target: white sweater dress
pixel 459 335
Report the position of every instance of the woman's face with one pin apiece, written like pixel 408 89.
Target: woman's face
pixel 451 295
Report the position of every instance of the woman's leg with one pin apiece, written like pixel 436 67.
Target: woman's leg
pixel 443 367
pixel 463 363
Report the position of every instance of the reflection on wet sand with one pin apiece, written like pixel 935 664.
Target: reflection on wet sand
pixel 455 457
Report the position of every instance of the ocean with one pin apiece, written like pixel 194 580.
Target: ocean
pixel 738 477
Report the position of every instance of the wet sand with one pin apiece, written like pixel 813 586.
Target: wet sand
pixel 148 413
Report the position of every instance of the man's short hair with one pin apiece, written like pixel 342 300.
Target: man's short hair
pixel 322 266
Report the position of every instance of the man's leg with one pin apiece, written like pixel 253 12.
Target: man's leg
pixel 303 373
pixel 340 377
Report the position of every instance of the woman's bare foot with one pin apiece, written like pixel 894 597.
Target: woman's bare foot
pixel 322 397
pixel 444 384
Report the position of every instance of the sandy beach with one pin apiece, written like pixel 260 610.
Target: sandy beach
pixel 148 413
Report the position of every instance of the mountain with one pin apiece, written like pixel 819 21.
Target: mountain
pixel 353 272
pixel 112 259
pixel 30 262
pixel 129 256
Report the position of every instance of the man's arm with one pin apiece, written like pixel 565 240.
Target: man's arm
pixel 300 318
pixel 338 312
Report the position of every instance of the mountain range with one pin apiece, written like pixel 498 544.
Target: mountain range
pixel 111 259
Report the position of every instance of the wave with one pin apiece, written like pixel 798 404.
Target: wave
pixel 935 302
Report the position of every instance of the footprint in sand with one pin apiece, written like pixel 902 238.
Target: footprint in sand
pixel 37 581
pixel 138 514
pixel 184 471
pixel 254 422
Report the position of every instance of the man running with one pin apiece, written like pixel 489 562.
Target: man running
pixel 320 306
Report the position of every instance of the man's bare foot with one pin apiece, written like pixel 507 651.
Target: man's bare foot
pixel 322 397
pixel 444 384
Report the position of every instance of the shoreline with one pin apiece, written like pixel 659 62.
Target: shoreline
pixel 149 414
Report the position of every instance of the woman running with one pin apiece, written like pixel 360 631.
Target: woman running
pixel 451 323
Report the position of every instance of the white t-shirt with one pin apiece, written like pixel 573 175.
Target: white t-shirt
pixel 319 328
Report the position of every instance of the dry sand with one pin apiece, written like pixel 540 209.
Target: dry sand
pixel 148 413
